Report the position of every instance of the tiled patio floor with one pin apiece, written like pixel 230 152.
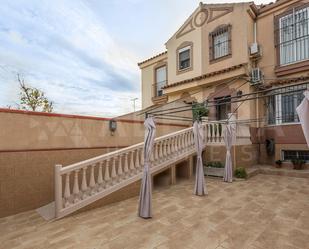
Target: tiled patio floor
pixel 263 212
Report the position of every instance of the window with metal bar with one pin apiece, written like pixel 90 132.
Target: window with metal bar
pixel 282 105
pixel 160 80
pixel 294 36
pixel 220 42
pixel 288 155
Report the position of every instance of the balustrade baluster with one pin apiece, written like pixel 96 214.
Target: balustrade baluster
pixel 76 187
pixel 164 149
pixel 137 161
pixel 84 184
pixel 113 173
pixel 176 145
pixel 67 192
pixel 92 181
pixel 120 171
pixel 126 167
pixel 179 146
pixel 142 158
pixel 168 147
pixel 161 151
pixel 132 168
pixel 156 157
pixel 107 177
pixel 100 178
pixel 172 146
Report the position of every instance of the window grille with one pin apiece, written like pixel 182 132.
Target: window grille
pixel 220 42
pixel 293 36
pixel 282 104
pixel 295 154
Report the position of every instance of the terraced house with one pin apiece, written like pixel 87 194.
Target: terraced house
pixel 232 56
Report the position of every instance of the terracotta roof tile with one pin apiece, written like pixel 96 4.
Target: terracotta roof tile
pixel 151 58
pixel 291 80
pixel 204 76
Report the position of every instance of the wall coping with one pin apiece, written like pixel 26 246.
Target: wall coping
pixel 59 115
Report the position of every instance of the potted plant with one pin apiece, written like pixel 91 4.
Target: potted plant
pixel 298 163
pixel 241 172
pixel 199 110
pixel 278 163
pixel 214 168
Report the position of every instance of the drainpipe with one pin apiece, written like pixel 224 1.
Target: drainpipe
pixel 254 30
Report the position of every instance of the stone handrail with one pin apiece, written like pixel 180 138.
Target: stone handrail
pixel 82 183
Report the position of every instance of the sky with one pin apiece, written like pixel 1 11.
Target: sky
pixel 83 53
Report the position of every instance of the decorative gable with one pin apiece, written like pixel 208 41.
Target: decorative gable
pixel 205 14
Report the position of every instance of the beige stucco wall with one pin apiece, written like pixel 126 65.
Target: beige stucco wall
pixel 242 34
pixel 172 46
pixel 266 39
pixel 32 143
pixel 29 131
pixel 148 78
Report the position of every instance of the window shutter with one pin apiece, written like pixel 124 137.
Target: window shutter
pixel 211 48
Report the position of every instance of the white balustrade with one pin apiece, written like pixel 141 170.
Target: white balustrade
pixel 97 177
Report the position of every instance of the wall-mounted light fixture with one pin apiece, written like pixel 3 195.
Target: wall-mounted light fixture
pixel 112 126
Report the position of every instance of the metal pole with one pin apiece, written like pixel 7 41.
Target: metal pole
pixel 134 99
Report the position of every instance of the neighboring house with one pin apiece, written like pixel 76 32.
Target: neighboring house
pixel 225 50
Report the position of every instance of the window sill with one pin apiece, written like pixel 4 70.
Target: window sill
pixel 159 99
pixel 212 61
pixel 283 124
pixel 292 68
pixel 180 71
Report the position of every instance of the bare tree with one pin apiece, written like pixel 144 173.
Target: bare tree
pixel 32 98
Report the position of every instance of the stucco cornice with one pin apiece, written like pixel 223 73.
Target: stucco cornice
pixel 204 76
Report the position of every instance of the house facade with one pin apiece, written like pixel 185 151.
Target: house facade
pixel 242 58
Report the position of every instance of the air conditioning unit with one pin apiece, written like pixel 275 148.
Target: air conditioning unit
pixel 256 77
pixel 254 49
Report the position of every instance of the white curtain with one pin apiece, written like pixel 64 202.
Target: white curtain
pixel 228 140
pixel 303 114
pixel 199 188
pixel 144 208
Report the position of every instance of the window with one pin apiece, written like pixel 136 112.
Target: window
pixel 293 36
pixel 160 80
pixel 281 107
pixel 184 58
pixel 220 42
pixel 223 107
pixel 288 155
